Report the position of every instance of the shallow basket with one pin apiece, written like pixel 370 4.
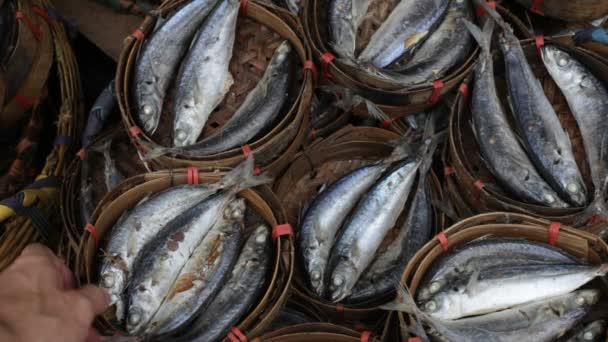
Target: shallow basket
pixel 475 186
pixel 316 332
pixel 322 163
pixel 574 241
pixel 262 27
pixel 260 200
pixel 577 10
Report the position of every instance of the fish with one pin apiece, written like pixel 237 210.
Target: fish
pixel 498 143
pixel 328 211
pixel 160 58
pixel 112 176
pixel 591 332
pixel 259 110
pixel 203 275
pixel 447 47
pixel 345 17
pixel 140 225
pixel 499 288
pixel 375 214
pixel 204 78
pixel 405 29
pixel 587 98
pixel 544 138
pixel 485 253
pixel 294 6
pixel 240 292
pixel 86 202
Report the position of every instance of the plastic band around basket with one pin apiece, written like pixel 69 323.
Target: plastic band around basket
pixel 139 35
pixel 236 335
pixel 326 59
pixel 443 241
pixel 135 131
pixel 42 13
pixel 193 176
pixel 539 40
pixel 243 9
pixel 386 123
pixel 448 171
pixel 365 336
pixel 23 144
pixel 436 95
pixel 479 185
pixel 595 218
pixel 481 11
pixel 36 30
pixel 414 339
pixel 281 230
pixel 310 65
pixel 93 231
pixel 554 229
pixel 536 7
pixel 464 90
pixel 246 150
pixel 340 308
pixel 24 102
pixel 313 134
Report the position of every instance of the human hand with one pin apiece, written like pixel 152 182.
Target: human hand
pixel 39 302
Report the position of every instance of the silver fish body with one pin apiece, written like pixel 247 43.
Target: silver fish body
pixel 202 276
pixel 500 288
pixel 160 57
pixel 344 17
pixel 325 216
pixel 204 78
pixel 546 142
pixel 498 144
pixel 408 25
pixel 161 261
pixel 374 216
pixel 111 174
pixel 587 98
pixel 592 332
pixel 240 292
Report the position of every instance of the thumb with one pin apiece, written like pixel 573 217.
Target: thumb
pixel 98 297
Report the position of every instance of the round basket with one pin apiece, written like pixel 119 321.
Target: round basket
pixel 322 163
pixel 475 185
pixel 260 30
pixel 316 332
pixel 261 201
pixel 574 241
pixel 31 214
pixel 393 101
pixel 578 11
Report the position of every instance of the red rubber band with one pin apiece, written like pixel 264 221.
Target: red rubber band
pixel 340 308
pixel 313 134
pixel 281 230
pixel 239 334
pixel 257 171
pixel 536 7
pixel 24 102
pixel 554 228
pixel 414 339
pixel 595 218
pixel 135 131
pixel 309 65
pixel 246 150
pixel 448 171
pixel 443 241
pixel 326 59
pixel 93 231
pixel 42 13
pixel 30 24
pixel 464 90
pixel 479 185
pixel 437 86
pixel 82 154
pixel 139 35
pixel 232 338
pixel 243 9
pixel 540 42
pixel 481 11
pixel 192 176
pixel 365 336
pixel 386 123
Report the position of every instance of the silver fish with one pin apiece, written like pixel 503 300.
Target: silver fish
pixel 547 143
pixel 111 174
pixel 485 253
pixel 160 57
pixel 204 78
pixel 294 6
pixel 86 201
pixel 498 288
pixel 447 47
pixel 587 98
pixel 499 146
pixel 363 233
pixel 327 213
pixel 203 275
pixel 240 291
pixel 408 25
pixel 592 332
pixel 259 110
pixel 345 16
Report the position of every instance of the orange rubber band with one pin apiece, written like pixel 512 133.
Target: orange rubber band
pixel 309 65
pixel 82 154
pixel 443 241
pixel 464 90
pixel 481 11
pixel 281 230
pixel 192 176
pixel 243 9
pixel 135 131
pixel 365 336
pixel 93 231
pixel 326 59
pixel 139 35
pixel 554 229
pixel 246 150
pixel 436 95
pixel 536 7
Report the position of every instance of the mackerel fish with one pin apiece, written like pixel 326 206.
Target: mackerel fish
pixel 345 17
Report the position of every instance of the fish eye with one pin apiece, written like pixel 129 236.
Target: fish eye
pixel 580 301
pixel 108 280
pixel 588 336
pixel 434 287
pixel 562 62
pixel 430 306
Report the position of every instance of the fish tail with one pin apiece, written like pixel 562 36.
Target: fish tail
pixel 483 38
pixel 494 14
pixel 155 151
pixel 602 270
pixel 242 176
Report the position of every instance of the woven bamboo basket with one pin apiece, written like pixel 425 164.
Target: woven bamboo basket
pixel 31 214
pixel 260 201
pixel 136 7
pixel 316 332
pixel 578 11
pixel 468 167
pixel 581 244
pixel 322 163
pixel 389 98
pixel 260 30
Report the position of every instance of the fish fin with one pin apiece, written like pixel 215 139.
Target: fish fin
pixel 472 287
pixel 483 38
pixel 405 303
pixel 374 110
pixel 402 149
pixel 155 151
pixel 242 176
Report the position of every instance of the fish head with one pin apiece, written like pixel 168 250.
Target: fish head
pixel 431 289
pixel 187 126
pixel 444 304
pixel 113 279
pixel 562 67
pixel 283 51
pixel 235 210
pixel 150 106
pixel 574 185
pixel 317 278
pixel 593 331
pixel 342 282
pixel 136 320
pixel 583 298
pixel 141 311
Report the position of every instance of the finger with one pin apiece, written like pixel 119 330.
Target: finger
pixel 38 250
pixel 41 266
pixel 93 336
pixel 67 277
pixel 98 298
